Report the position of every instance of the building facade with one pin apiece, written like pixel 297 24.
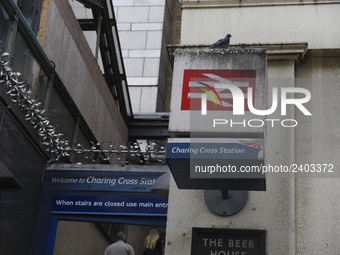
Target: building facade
pixel 298 214
pixel 54 44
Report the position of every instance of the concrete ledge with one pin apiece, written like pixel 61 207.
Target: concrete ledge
pixel 275 51
pixel 324 53
pixel 189 4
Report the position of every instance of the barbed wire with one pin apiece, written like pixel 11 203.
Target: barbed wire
pixel 19 92
pixel 105 151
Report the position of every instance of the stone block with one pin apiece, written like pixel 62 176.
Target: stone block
pixel 144 53
pixel 132 40
pixel 123 2
pixel 134 66
pixel 142 81
pixel 133 14
pixel 148 99
pixel 151 67
pixel 91 38
pixel 79 11
pixel 156 14
pixel 88 14
pixel 124 26
pixel 135 98
pixel 147 26
pixel 149 2
pixel 125 53
pixel 154 40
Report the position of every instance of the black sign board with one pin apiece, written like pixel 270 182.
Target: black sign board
pixel 217 163
pixel 217 241
pixel 180 169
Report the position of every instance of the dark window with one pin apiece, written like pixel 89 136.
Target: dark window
pixel 5 23
pixel 31 11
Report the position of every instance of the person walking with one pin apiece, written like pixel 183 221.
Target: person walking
pixel 119 247
pixel 150 243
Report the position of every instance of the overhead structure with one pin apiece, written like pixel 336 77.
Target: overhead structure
pixel 104 23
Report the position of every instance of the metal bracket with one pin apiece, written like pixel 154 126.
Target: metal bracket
pixel 225 202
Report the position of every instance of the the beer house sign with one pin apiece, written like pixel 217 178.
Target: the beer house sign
pixel 214 241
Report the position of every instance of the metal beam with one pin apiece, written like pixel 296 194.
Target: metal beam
pixel 152 126
pixel 97 4
pixel 7 180
pixel 114 70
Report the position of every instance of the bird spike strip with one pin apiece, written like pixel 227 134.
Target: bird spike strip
pixel 19 92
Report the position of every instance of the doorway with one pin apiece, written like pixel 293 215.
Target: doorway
pixel 83 235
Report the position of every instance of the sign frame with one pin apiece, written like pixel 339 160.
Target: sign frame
pixel 219 67
pixel 184 163
pixel 223 232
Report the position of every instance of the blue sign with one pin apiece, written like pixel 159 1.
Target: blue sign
pixel 100 180
pixel 213 148
pixel 110 205
pixel 216 163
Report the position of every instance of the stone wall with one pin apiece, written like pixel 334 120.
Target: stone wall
pixel 299 214
pixel 144 29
